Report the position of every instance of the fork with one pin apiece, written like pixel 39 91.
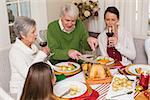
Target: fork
pixel 125 75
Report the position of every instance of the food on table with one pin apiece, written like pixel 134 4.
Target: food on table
pixel 103 61
pixel 74 90
pixel 68 67
pixel 138 88
pixel 120 83
pixel 139 70
pixel 97 71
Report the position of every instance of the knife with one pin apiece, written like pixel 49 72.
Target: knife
pixel 130 92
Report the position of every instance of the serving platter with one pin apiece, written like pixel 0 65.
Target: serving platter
pixel 123 89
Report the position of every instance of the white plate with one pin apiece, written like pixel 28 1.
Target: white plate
pixel 111 60
pixel 62 86
pixel 133 67
pixel 123 90
pixel 66 64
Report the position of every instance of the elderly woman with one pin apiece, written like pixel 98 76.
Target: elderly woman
pixel 119 46
pixel 40 78
pixel 67 36
pixel 23 52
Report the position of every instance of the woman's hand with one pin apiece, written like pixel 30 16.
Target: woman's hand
pixel 46 50
pixel 112 41
pixel 74 54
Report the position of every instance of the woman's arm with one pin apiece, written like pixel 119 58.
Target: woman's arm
pixel 127 47
pixel 21 63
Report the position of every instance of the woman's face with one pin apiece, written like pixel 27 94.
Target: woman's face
pixel 31 36
pixel 111 19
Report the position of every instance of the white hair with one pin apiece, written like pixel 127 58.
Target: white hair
pixel 23 25
pixel 70 9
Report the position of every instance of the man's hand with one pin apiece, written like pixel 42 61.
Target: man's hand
pixel 92 42
pixel 74 54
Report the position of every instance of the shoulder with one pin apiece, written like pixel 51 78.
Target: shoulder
pixel 79 23
pixel 53 24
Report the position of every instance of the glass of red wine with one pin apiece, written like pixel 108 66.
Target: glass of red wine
pixel 109 34
pixel 42 38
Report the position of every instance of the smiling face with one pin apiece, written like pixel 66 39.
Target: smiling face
pixel 111 19
pixel 30 37
pixel 68 21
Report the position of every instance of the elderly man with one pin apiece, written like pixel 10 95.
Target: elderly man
pixel 67 37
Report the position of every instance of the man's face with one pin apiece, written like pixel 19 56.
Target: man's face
pixel 68 22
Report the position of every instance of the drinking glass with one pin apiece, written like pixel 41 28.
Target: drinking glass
pixel 109 34
pixel 42 39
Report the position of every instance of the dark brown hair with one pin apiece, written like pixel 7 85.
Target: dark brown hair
pixel 38 84
pixel 113 10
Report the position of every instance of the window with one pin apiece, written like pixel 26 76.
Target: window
pixel 16 8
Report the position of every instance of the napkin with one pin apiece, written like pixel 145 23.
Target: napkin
pixel 60 77
pixel 87 96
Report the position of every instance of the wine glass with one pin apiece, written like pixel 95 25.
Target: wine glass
pixel 109 34
pixel 42 38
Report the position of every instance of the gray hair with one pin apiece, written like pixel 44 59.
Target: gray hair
pixel 23 24
pixel 71 9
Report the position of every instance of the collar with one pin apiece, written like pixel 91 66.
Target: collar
pixel 32 51
pixel 62 27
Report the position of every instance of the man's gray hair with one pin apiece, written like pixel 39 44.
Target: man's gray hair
pixel 71 9
pixel 23 25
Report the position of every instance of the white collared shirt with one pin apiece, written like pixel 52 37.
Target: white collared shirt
pixel 62 27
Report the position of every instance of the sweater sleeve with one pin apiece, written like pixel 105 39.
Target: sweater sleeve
pixel 59 54
pixel 127 49
pixel 21 64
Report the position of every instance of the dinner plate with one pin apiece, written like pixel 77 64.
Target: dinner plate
pixel 112 93
pixel 132 68
pixel 67 64
pixel 105 60
pixel 63 86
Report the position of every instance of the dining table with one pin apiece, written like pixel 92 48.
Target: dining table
pixel 102 89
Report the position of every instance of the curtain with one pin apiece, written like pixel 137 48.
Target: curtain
pixel 133 16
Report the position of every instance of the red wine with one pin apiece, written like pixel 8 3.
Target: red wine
pixel 43 44
pixel 109 34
